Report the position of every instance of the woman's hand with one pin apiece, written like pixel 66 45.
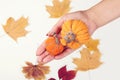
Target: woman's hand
pixel 95 17
pixel 43 55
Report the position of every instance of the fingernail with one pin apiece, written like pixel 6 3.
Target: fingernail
pixel 46 34
pixel 44 61
pixel 40 52
pixel 39 59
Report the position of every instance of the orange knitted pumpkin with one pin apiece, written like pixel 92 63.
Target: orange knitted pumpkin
pixel 53 46
pixel 74 33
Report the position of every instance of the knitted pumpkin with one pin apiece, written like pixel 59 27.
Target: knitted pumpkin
pixel 74 33
pixel 53 46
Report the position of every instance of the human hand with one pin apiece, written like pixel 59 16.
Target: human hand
pixel 43 55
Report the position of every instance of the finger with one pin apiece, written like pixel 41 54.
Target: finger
pixel 42 56
pixel 59 36
pixel 41 49
pixel 65 53
pixel 48 58
pixel 56 28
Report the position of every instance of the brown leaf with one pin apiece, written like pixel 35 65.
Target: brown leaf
pixel 92 44
pixel 59 8
pixel 88 60
pixel 37 72
pixel 16 29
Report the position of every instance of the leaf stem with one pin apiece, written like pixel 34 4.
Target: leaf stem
pixel 89 75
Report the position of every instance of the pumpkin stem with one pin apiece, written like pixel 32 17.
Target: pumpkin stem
pixel 56 38
pixel 35 65
pixel 70 36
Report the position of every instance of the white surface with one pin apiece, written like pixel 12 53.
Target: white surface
pixel 13 55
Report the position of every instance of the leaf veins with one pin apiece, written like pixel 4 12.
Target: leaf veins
pixel 16 29
pixel 59 8
pixel 65 74
pixel 37 72
pixel 92 44
pixel 88 60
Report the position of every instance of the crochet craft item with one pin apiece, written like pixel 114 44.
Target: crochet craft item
pixel 74 33
pixel 53 45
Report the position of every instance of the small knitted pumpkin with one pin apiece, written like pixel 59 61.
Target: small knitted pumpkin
pixel 74 33
pixel 53 45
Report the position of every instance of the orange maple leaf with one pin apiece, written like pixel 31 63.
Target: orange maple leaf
pixel 16 28
pixel 59 8
pixel 37 72
pixel 88 60
pixel 92 44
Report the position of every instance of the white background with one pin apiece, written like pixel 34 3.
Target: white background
pixel 14 54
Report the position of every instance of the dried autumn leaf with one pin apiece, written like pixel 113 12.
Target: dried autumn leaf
pixel 70 75
pixel 37 72
pixel 92 44
pixel 66 75
pixel 88 60
pixel 52 79
pixel 62 71
pixel 16 29
pixel 59 8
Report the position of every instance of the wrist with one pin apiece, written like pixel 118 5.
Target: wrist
pixel 92 17
pixel 104 12
pixel 90 22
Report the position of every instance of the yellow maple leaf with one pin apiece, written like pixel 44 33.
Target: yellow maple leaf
pixel 88 60
pixel 16 29
pixel 59 8
pixel 92 44
pixel 37 72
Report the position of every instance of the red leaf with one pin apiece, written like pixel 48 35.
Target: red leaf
pixel 62 72
pixel 52 79
pixel 64 78
pixel 66 75
pixel 70 75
